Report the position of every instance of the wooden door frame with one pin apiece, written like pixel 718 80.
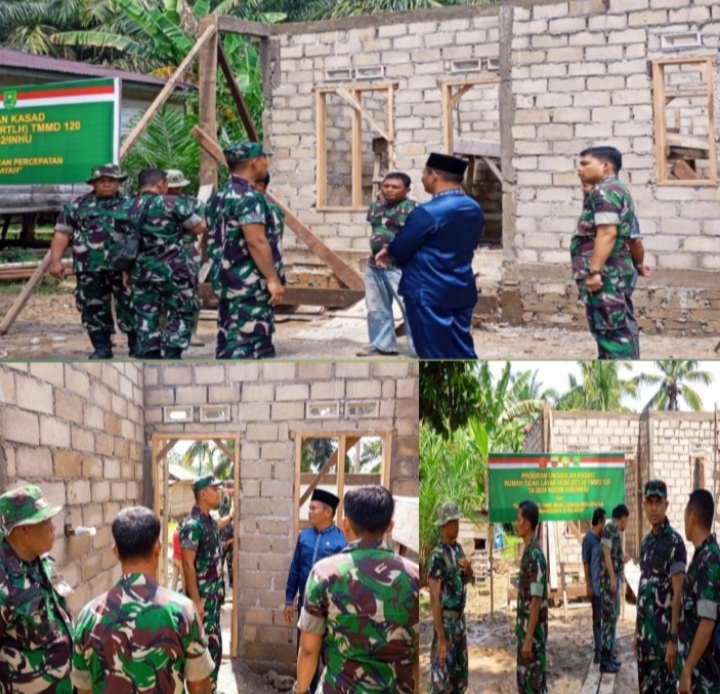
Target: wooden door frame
pixel 161 445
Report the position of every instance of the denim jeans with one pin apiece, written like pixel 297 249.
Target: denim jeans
pixel 380 290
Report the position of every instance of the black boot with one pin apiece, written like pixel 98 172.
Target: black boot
pixel 132 344
pixel 607 664
pixel 596 638
pixel 173 353
pixel 103 346
pixel 152 354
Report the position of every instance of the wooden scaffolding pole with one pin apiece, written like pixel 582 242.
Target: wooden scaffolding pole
pixel 207 86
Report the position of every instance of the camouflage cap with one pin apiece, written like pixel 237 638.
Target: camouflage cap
pixel 656 488
pixel 239 151
pixel 176 178
pixel 109 170
pixel 448 512
pixel 24 506
pixel 205 481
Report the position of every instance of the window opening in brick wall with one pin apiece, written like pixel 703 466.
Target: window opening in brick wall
pixel 177 461
pixel 355 136
pixel 366 457
pixel 698 471
pixel 685 147
pixel 470 117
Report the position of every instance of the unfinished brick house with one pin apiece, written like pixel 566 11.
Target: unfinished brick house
pixel 678 447
pixel 519 89
pixel 96 438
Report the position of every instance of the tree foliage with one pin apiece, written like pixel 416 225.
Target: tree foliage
pixel 674 385
pixel 600 387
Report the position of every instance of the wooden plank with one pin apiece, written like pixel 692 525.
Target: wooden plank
pixel 233 25
pixel 485 79
pixel 321 147
pixel 493 167
pixel 477 148
pixel 363 86
pixel 236 94
pixel 687 142
pixel 343 444
pixel 447 119
pixel 607 684
pixel 391 128
pixel 316 296
pixel 354 102
pixel 711 120
pixel 592 681
pixel 575 531
pixel 166 449
pixel 658 75
pixel 25 294
pixel 167 90
pixel 236 552
pixel 207 94
pixel 683 171
pixel 346 274
pixel 460 93
pixel 356 158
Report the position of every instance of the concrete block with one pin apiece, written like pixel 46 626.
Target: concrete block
pixel 288 410
pixel 191 395
pixel 33 462
pixel 34 395
pixel 77 381
pixel 48 372
pixel 298 391
pixel 78 492
pixel 176 375
pixel 104 444
pixel 283 371
pixel 262 432
pixel 19 426
pixel 314 370
pixel 54 432
pixel 118 491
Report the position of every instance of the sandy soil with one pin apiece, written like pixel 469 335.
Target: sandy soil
pixel 492 648
pixel 49 328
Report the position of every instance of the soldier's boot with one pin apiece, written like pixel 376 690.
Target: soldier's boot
pixel 152 354
pixel 103 346
pixel 606 664
pixel 132 344
pixel 596 636
pixel 173 353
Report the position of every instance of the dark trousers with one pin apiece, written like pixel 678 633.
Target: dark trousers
pixel 441 333
pixel 596 622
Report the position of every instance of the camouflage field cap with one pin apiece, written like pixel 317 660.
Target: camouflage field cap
pixel 656 488
pixel 239 151
pixel 206 481
pixel 109 170
pixel 24 506
pixel 448 512
pixel 176 179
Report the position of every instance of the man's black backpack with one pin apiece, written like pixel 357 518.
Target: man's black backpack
pixel 124 252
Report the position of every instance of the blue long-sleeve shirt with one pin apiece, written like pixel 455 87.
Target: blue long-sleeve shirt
pixel 591 553
pixel 435 250
pixel 312 546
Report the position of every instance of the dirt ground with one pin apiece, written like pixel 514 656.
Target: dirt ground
pixel 49 328
pixel 492 648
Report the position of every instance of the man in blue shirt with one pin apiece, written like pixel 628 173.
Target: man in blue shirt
pixel 435 250
pixel 322 540
pixel 591 551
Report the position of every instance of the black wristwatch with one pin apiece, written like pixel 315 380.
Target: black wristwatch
pixel 673 639
pixel 592 272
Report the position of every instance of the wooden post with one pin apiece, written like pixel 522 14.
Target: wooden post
pixel 658 71
pixel 342 447
pixel 564 590
pixel 321 146
pixel 708 71
pixel 207 83
pixel 236 94
pixel 391 127
pixel 491 540
pixel 447 118
pixel 356 156
pixel 236 552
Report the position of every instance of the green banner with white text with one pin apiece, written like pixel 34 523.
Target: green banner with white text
pixel 55 133
pixel 565 486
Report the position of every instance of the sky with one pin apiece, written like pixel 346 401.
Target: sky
pixel 554 374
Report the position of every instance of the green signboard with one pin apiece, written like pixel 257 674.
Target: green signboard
pixel 565 486
pixel 55 133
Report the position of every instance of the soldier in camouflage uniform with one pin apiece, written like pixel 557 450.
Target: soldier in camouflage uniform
pixel 386 217
pixel 202 562
pixel 278 225
pixel 611 578
pixel 698 663
pixel 88 223
pixel 662 565
pixel 531 625
pixel 139 636
pixel 448 574
pixel 164 276
pixel 364 604
pixel 601 259
pixel 36 629
pixel 243 247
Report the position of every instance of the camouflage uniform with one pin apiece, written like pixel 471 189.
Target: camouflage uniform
pixel 607 311
pixel 381 284
pixel 609 601
pixel 91 222
pixel 199 533
pixel 532 583
pixel 276 232
pixel 36 628
pixel 662 556
pixel 139 637
pixel 700 599
pixel 365 600
pixel 449 676
pixel 164 277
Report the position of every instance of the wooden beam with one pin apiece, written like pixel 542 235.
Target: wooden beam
pixel 356 158
pixel 346 274
pixel 447 119
pixel 236 551
pixel 316 296
pixel 233 25
pixel 494 169
pixel 658 74
pixel 343 443
pixel 683 171
pixel 165 450
pixel 353 101
pixel 321 147
pixel 25 294
pixel 332 460
pixel 236 94
pixel 711 120
pixel 460 93
pixel 207 34
pixel 227 451
pixel 391 127
pixel 207 94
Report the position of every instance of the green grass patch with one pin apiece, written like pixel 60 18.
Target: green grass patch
pixel 18 255
pixel 48 287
